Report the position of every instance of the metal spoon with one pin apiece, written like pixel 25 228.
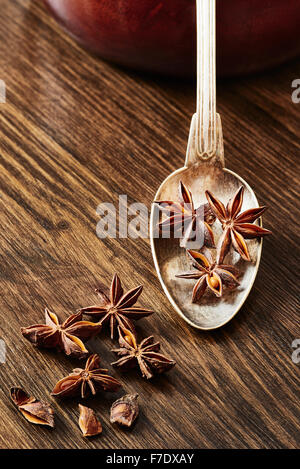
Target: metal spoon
pixel 204 170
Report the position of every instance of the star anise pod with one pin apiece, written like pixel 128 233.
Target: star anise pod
pixel 67 337
pixel 144 355
pixel 237 227
pixel 209 274
pixel 37 412
pixel 125 411
pixel 88 422
pixel 183 214
pixel 82 382
pixel 118 309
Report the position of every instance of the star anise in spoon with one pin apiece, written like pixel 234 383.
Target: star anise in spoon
pixel 86 381
pixel 209 275
pixel 183 216
pixel 118 309
pixel 144 355
pixel 67 337
pixel 236 227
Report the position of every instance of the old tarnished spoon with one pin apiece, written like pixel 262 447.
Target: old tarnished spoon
pixel 204 170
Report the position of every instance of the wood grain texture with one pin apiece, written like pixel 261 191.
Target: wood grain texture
pixel 75 132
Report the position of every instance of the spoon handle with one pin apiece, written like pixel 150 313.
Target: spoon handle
pixel 206 137
pixel 206 130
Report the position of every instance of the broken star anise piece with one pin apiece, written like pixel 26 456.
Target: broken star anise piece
pixel 209 274
pixel 236 227
pixel 124 411
pixel 37 412
pixel 91 379
pixel 88 422
pixel 118 309
pixel 144 355
pixel 67 337
pixel 183 216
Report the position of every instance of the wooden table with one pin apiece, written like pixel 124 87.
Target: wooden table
pixel 76 132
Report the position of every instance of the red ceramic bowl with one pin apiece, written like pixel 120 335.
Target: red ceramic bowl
pixel 159 35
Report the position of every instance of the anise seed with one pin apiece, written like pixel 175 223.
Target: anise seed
pixel 124 411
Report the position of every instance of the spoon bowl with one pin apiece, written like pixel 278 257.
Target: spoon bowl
pixel 170 259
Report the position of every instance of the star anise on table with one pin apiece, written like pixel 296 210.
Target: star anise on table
pixel 37 412
pixel 209 275
pixel 86 381
pixel 236 226
pixel 182 215
pixel 67 337
pixel 125 410
pixel 144 355
pixel 118 309
pixel 88 422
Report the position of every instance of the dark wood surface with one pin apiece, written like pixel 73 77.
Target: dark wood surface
pixel 75 132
